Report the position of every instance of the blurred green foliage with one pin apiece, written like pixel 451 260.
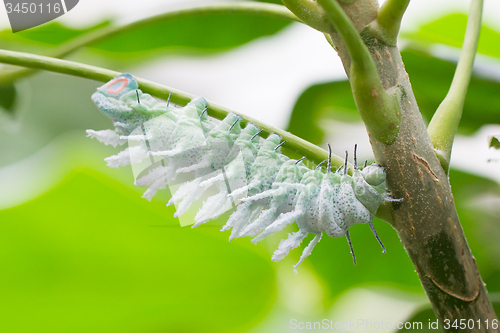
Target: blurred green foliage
pixel 494 142
pixel 202 33
pixel 196 33
pixel 8 96
pixel 450 29
pixel 90 255
pixel 48 105
pixel 50 34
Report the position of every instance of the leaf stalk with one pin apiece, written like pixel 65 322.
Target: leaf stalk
pixel 444 124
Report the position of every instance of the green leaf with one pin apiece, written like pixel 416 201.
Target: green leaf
pixel 331 100
pixel 8 96
pixel 276 2
pixel 196 33
pixel 92 256
pixel 431 78
pixel 450 30
pixel 46 35
pixel 494 142
pixel 475 199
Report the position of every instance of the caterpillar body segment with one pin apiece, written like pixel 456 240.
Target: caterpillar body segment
pixel 234 175
pixel 282 197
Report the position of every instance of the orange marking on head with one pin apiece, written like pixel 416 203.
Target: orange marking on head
pixel 111 83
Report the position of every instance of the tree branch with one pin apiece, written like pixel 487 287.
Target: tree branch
pixel 444 123
pixel 378 109
pixel 426 221
pixel 96 36
pixel 386 26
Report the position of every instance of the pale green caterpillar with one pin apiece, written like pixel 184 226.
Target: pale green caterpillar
pixel 268 189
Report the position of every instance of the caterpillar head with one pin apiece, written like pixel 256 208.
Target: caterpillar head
pixel 122 101
pixel 374 174
pixel 119 86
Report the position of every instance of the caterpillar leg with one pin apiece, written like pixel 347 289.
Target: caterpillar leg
pixel 213 180
pixel 108 137
pixel 392 198
pixel 169 153
pixel 240 224
pixel 262 195
pixel 266 218
pixel 158 178
pixel 212 208
pixel 238 192
pixel 155 174
pixel 282 221
pixel 191 194
pixel 194 167
pixel 120 159
pixel 288 244
pixel 307 251
pixel 138 137
pixel 242 212
pixel 185 190
pixel 127 156
pixel 123 125
pixel 376 235
pixel 153 188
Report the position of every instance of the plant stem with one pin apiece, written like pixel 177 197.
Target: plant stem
pixel 96 36
pixel 444 123
pixel 386 26
pixel 378 109
pixel 310 13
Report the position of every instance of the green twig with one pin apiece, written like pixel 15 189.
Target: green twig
pixel 444 123
pixel 96 36
pixel 310 13
pixel 378 109
pixel 386 26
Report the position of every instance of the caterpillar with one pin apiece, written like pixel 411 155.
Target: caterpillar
pixel 266 189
